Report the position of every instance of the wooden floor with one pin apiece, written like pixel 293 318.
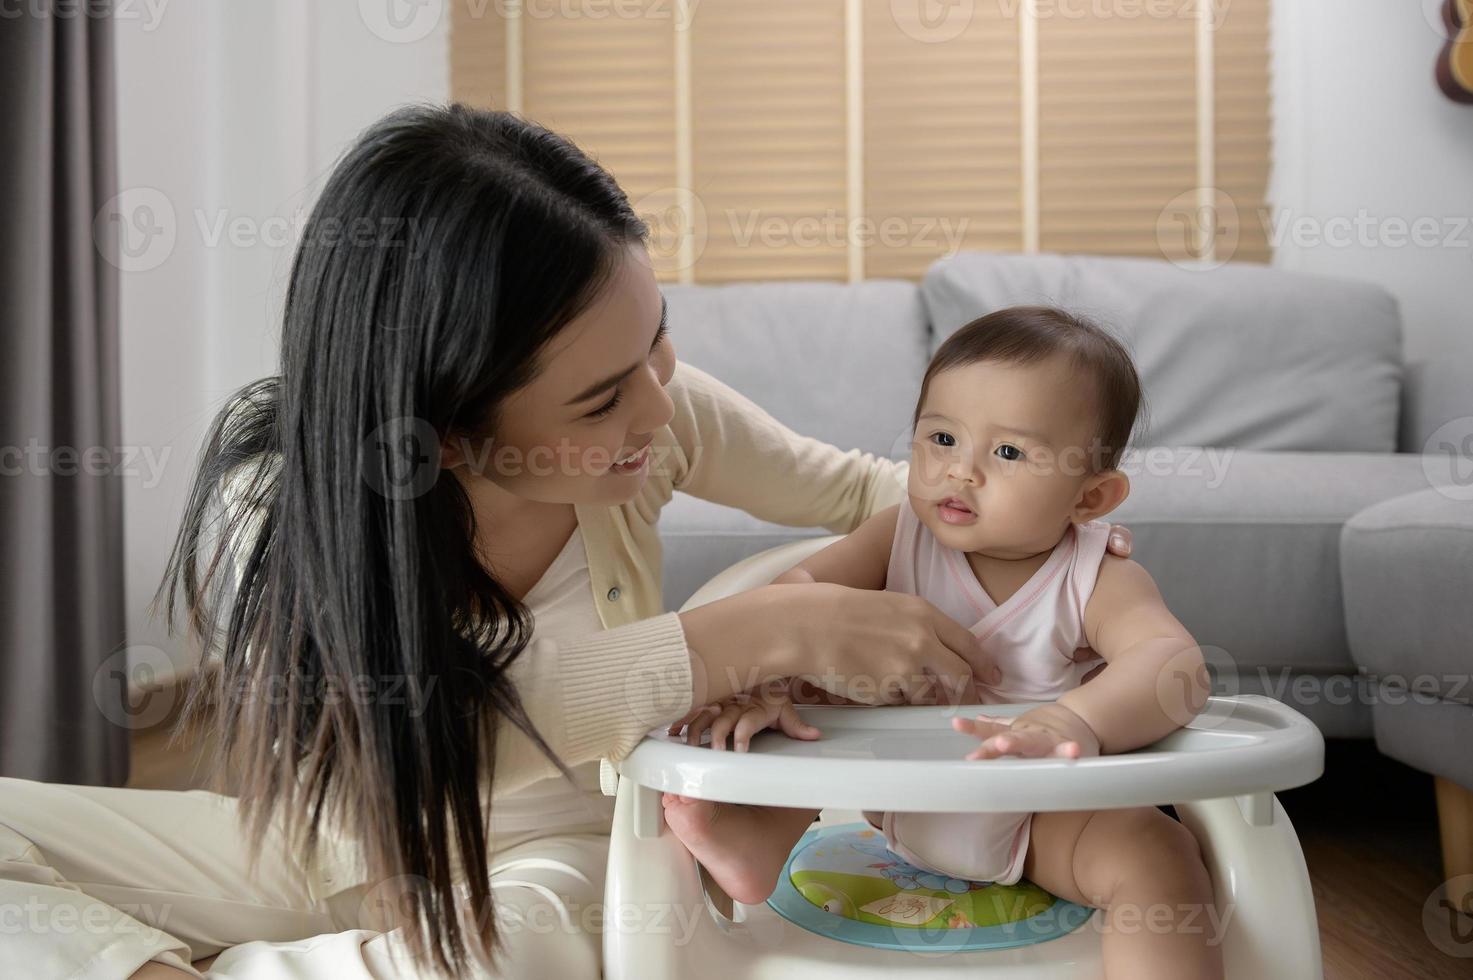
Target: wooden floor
pixel 1369 831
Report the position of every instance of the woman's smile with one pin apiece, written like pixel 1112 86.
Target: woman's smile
pixel 632 464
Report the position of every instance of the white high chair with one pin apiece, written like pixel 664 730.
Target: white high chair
pixel 1220 772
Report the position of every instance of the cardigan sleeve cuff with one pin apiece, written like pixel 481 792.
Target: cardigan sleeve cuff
pixel 620 684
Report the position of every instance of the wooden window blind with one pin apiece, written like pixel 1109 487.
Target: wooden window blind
pixel 768 138
pixel 1117 130
pixel 943 140
pixel 839 139
pixel 606 84
pixel 1242 126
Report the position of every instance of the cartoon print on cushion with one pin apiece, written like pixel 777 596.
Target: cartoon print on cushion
pixel 906 875
pixel 958 920
pixel 834 874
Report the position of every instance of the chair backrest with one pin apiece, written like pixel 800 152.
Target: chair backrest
pixel 757 570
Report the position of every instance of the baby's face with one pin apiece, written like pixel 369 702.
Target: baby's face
pixel 1003 454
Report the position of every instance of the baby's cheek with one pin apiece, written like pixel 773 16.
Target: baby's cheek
pixel 1035 507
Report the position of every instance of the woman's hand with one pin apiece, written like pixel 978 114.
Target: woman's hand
pixel 1050 730
pixel 1120 542
pixel 868 646
pixel 743 715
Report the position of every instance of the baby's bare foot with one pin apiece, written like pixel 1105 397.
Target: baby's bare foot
pixel 742 847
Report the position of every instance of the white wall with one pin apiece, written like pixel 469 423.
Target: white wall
pixel 230 115
pixel 1364 137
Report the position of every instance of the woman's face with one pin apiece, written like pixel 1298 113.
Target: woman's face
pixel 598 398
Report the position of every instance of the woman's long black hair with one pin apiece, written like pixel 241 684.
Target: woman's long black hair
pixel 323 553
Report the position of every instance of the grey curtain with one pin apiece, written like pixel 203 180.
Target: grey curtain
pixel 61 529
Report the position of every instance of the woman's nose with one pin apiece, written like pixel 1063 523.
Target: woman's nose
pixel 657 408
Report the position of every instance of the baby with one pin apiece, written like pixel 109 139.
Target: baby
pixel 1022 418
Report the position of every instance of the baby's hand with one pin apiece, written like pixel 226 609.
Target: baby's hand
pixel 744 715
pixel 1048 731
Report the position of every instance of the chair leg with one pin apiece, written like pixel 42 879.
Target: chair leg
pixel 1455 821
pixel 1264 915
pixel 655 917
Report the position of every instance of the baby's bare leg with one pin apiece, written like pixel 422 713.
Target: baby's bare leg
pixel 1145 870
pixel 742 847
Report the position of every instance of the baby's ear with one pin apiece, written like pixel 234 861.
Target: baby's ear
pixel 1102 492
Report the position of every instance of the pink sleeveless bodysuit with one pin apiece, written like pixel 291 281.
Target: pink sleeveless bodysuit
pixel 1033 637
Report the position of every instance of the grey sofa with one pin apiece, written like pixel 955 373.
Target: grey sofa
pixel 1315 559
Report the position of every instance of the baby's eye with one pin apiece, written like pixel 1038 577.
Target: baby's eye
pixel 945 439
pixel 1010 453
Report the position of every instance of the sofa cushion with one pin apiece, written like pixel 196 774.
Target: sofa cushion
pixel 1243 355
pixel 1245 547
pixel 1425 733
pixel 1407 571
pixel 839 362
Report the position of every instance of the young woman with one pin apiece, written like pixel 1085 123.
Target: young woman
pixel 425 555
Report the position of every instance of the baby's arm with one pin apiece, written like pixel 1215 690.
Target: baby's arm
pixel 1155 680
pixel 858 560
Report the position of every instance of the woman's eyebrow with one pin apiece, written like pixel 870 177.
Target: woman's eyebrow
pixel 613 379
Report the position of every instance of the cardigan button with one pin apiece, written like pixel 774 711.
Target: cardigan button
pixel 614 594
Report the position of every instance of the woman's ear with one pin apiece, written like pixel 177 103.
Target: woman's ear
pixel 453 451
pixel 1102 493
pixel 450 456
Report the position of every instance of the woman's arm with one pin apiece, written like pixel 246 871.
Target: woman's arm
pixel 739 455
pixel 593 696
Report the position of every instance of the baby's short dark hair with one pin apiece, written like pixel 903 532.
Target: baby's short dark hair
pixel 1026 334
